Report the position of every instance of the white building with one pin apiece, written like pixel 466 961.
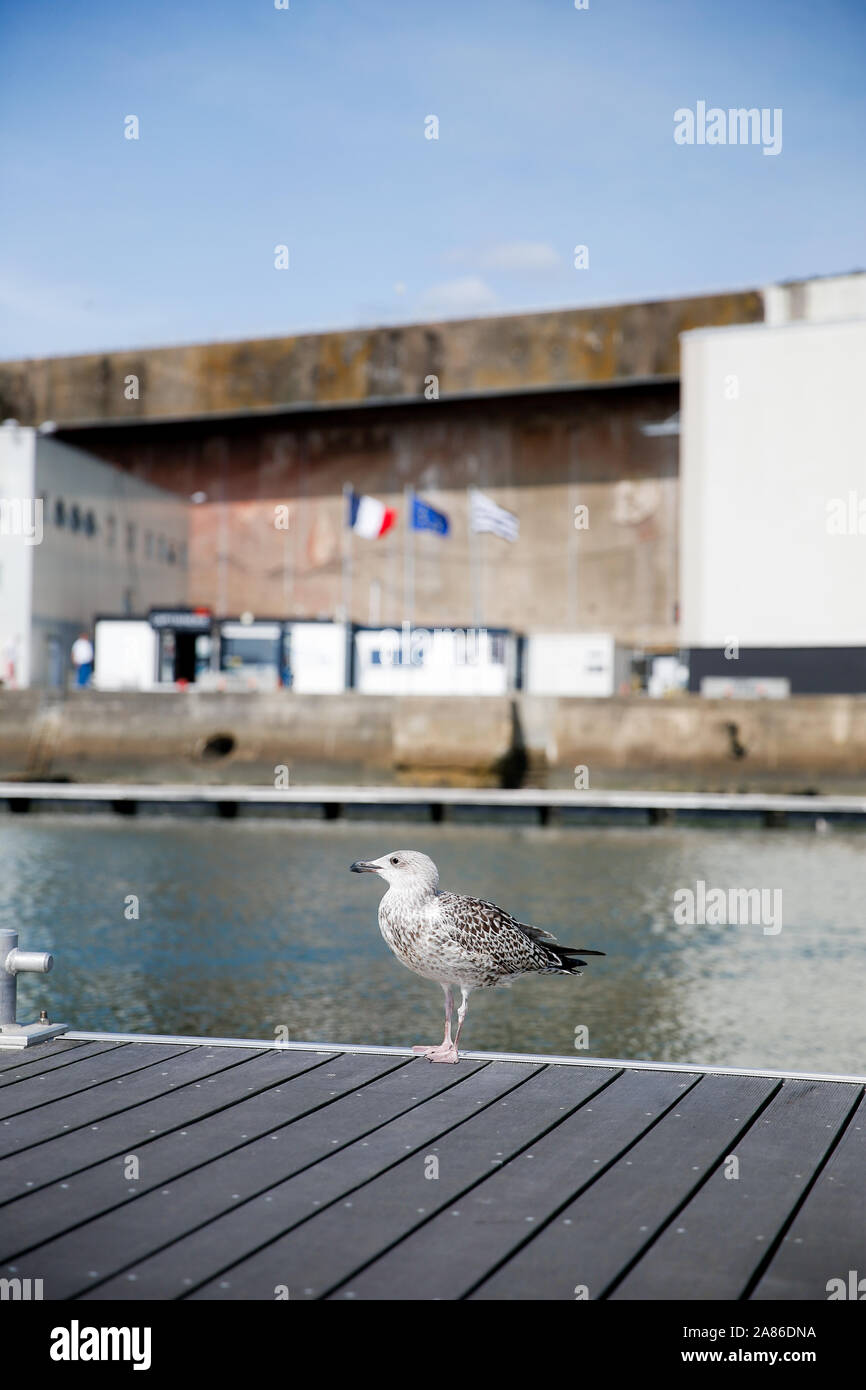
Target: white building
pixel 575 663
pixel 181 647
pixel 78 538
pixel 437 661
pixel 773 505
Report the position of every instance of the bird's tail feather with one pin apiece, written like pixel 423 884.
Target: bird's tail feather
pixel 566 960
pixel 561 960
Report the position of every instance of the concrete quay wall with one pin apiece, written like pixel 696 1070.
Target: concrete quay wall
pixel 470 741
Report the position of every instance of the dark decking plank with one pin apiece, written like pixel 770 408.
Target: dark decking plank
pixel 41 1052
pixel 75 1148
pixel 22 1174
pixel 714 1245
pixel 75 1260
pixel 207 1252
pixel 82 1110
pixel 79 1078
pixel 448 1256
pixel 262 1169
pixel 231 1179
pixel 20 1075
pixel 247 1183
pixel 332 1245
pixel 593 1239
pixel 827 1238
pixel 149 1131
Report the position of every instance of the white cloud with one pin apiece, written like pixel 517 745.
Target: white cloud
pixel 512 257
pixel 520 256
pixel 467 295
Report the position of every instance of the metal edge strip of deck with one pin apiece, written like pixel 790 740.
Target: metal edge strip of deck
pixel 528 1057
pixel 459 796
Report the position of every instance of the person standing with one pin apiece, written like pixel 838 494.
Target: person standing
pixel 9 665
pixel 82 659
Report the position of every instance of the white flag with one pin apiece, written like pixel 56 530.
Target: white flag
pixel 487 515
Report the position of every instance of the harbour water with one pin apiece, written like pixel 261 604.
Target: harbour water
pixel 256 929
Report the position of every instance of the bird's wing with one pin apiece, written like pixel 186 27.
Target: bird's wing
pixel 485 931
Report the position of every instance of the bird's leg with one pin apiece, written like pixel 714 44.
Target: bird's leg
pixel 461 1015
pixel 447 1051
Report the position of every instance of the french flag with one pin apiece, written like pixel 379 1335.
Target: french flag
pixel 369 517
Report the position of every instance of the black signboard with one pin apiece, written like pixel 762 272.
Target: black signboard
pixel 180 619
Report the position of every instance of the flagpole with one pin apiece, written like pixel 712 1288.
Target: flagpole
pixel 572 558
pixel 346 586
pixel 409 556
pixel 474 565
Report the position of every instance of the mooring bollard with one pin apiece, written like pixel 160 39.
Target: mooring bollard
pixel 14 962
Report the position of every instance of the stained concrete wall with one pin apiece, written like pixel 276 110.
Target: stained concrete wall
pixel 810 735
pixel 520 352
pixel 340 738
pixel 542 411
pixel 539 456
pixel 158 736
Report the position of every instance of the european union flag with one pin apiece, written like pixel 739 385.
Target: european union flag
pixel 426 518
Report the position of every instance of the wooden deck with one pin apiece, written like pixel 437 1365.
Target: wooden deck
pixel 178 1168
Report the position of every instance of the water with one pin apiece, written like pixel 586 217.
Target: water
pixel 244 928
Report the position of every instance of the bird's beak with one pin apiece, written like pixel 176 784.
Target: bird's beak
pixel 364 866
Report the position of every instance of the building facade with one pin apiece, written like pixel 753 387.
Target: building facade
pixel 78 537
pixel 773 508
pixel 568 420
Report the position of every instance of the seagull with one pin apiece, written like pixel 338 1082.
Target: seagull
pixel 462 943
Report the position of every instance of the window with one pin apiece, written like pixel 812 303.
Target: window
pixel 160 548
pixel 75 518
pixel 148 545
pixel 111 529
pixel 130 537
pixel 252 650
pixel 89 524
pixel 60 512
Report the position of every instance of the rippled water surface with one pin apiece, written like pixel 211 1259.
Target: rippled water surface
pixel 246 927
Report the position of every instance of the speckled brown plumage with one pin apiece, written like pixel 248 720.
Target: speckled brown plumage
pixel 459 941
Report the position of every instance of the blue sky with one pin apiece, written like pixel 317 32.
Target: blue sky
pixel 305 127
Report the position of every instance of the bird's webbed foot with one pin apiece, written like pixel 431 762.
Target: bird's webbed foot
pixel 445 1052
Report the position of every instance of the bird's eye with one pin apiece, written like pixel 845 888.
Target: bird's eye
pixel 394 859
